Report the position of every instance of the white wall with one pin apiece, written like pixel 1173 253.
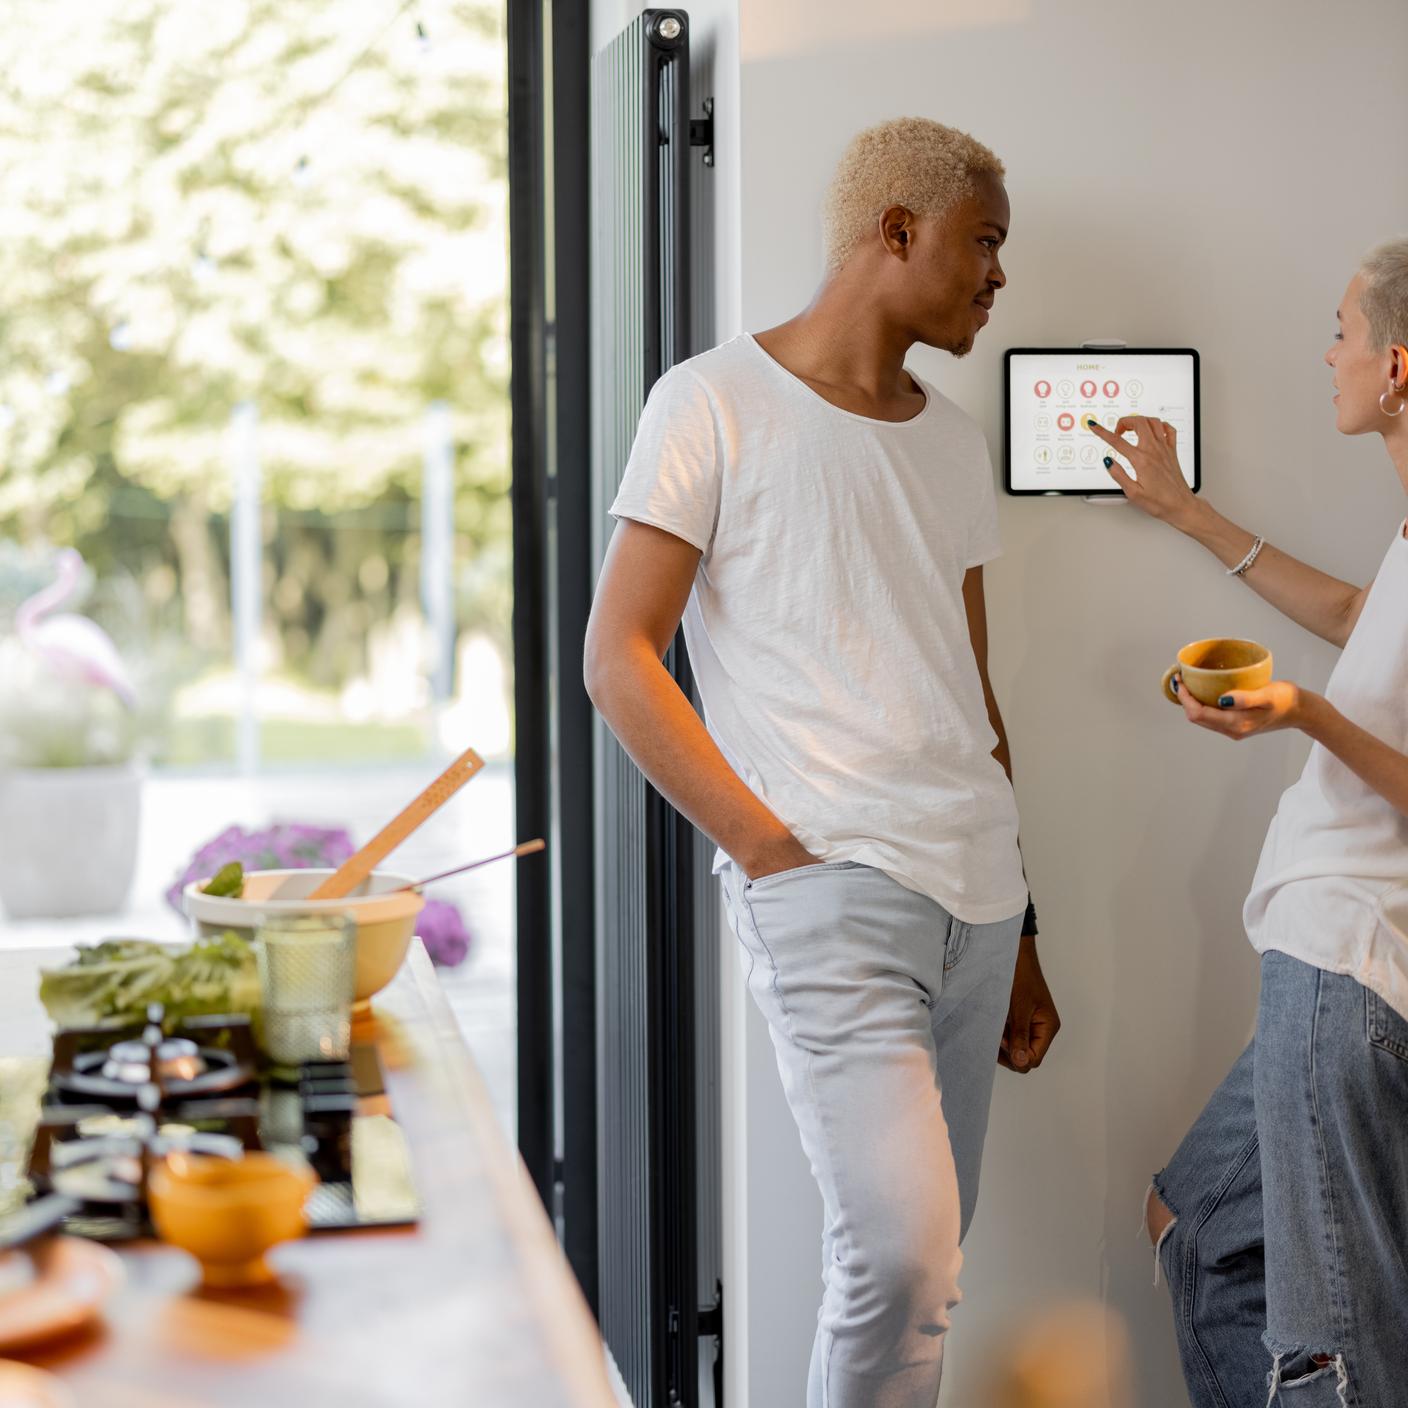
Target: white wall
pixel 1202 174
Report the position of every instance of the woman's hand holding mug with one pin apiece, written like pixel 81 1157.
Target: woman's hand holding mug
pixel 1225 685
pixel 1247 711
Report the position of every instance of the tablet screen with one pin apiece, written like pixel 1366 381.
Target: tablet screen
pixel 1052 391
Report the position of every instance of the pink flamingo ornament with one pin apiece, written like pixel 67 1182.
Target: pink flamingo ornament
pixel 72 645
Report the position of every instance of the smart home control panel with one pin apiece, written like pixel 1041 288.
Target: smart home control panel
pixel 1052 392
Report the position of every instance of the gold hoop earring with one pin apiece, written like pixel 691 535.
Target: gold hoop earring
pixel 1383 402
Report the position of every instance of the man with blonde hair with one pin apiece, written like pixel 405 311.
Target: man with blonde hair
pixel 819 517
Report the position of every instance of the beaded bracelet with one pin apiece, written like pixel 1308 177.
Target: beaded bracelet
pixel 1240 570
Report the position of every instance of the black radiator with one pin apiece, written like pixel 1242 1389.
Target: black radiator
pixel 656 915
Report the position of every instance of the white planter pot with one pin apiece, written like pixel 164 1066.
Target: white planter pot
pixel 68 839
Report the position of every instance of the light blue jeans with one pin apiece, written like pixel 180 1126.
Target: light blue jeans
pixel 1288 1261
pixel 886 1014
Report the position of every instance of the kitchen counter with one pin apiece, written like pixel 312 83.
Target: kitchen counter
pixel 474 1306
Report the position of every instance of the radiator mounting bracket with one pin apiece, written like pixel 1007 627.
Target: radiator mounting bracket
pixel 701 132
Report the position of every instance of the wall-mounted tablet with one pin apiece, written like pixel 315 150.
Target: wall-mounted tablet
pixel 1052 391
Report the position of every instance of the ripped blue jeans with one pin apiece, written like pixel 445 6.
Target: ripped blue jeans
pixel 1288 1259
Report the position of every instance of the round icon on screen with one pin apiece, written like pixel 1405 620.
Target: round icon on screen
pixel 1112 389
pixel 1064 389
pixel 1042 389
pixel 1043 422
pixel 1089 454
pixel 1065 421
pixel 1042 455
pixel 1111 420
pixel 1066 454
pixel 1087 389
pixel 1089 419
pixel 1135 388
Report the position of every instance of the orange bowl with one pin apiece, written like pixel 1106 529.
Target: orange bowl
pixel 228 1212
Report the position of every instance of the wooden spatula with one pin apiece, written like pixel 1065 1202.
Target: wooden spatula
pixel 356 868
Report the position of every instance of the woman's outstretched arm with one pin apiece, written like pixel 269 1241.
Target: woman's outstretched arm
pixel 1322 604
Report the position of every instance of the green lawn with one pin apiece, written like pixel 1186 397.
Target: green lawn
pixel 199 742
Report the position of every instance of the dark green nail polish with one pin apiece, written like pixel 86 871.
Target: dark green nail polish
pixel 1108 462
pixel 1177 684
pixel 1225 702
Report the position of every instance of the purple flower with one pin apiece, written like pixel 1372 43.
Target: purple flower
pixel 442 931
pixel 282 846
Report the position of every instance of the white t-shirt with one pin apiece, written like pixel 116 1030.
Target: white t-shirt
pixel 1336 856
pixel 826 626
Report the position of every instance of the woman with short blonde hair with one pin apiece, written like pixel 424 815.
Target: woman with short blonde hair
pixel 1282 1219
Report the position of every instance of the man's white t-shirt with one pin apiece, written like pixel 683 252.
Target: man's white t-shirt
pixel 826 627
pixel 1332 885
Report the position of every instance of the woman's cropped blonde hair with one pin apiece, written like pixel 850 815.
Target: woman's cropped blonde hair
pixel 922 165
pixel 1385 295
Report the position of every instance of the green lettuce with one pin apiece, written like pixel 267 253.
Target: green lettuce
pixel 116 980
pixel 227 881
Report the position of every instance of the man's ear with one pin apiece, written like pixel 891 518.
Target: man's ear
pixel 897 230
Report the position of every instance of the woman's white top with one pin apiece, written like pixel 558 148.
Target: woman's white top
pixel 1332 885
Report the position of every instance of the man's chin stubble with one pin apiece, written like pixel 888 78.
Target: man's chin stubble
pixel 959 347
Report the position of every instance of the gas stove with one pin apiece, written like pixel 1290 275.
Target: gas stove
pixel 118 1100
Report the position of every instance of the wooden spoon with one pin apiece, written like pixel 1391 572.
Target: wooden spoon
pixel 356 868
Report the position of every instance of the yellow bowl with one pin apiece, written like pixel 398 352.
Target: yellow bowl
pixel 386 921
pixel 228 1212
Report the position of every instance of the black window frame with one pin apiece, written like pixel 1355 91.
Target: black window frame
pixel 549 76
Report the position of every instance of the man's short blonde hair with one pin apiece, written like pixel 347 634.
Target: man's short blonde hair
pixel 922 165
pixel 1385 296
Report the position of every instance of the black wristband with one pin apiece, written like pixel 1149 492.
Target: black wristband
pixel 1029 929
